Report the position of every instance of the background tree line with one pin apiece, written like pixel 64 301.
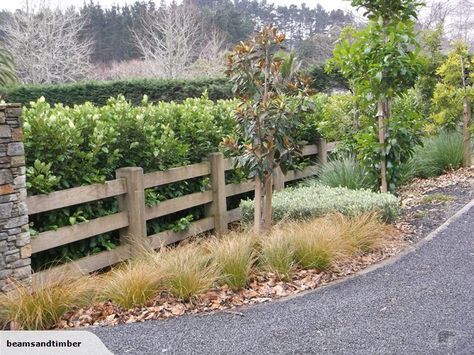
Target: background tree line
pixel 147 39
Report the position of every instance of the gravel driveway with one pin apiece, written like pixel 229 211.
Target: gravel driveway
pixel 421 303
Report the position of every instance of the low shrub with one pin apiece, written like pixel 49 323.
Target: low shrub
pixel 43 306
pixel 234 256
pixel 131 284
pixel 187 271
pixel 439 154
pixel 311 199
pixel 345 172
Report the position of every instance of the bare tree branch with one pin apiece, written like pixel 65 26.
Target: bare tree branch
pixel 169 37
pixel 46 46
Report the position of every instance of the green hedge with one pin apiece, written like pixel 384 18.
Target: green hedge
pixel 312 200
pixel 98 92
pixel 80 145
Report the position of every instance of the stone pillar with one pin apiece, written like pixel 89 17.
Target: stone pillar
pixel 15 247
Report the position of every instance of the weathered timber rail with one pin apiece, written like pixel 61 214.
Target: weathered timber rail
pixel 129 188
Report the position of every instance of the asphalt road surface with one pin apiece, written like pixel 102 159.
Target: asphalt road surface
pixel 421 303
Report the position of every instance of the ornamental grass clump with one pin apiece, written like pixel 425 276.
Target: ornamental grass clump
pixel 234 255
pixel 316 243
pixel 132 284
pixel 439 154
pixel 278 254
pixel 345 172
pixel 361 234
pixel 42 306
pixel 187 271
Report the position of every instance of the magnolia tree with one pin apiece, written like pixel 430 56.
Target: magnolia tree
pixel 381 62
pixel 273 96
pixel 453 94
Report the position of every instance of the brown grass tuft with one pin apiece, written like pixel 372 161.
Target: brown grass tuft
pixel 234 256
pixel 186 271
pixel 42 306
pixel 132 284
pixel 278 253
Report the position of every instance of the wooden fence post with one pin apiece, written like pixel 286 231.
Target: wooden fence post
pixel 322 157
pixel 133 202
pixel 218 207
pixel 279 180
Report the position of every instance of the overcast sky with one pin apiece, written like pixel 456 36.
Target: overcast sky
pixel 327 4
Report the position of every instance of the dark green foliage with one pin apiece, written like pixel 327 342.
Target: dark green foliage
pixel 98 93
pixel 324 81
pixel 67 147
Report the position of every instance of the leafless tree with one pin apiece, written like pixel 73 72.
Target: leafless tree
pixel 169 37
pixel 461 22
pixel 46 44
pixel 211 59
pixel 435 14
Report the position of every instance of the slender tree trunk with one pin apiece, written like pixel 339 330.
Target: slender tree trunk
pixel 467 133
pixel 381 115
pixel 257 220
pixel 267 208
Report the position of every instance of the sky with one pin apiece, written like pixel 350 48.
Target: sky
pixel 327 4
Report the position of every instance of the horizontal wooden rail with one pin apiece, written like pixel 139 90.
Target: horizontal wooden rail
pixel 176 174
pixel 178 204
pixel 217 215
pixel 234 215
pixel 168 237
pixel 331 146
pixel 70 234
pixel 311 149
pixel 240 188
pixel 229 164
pixel 85 265
pixel 301 174
pixel 75 196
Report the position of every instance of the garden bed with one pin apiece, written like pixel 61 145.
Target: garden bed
pixel 420 215
pixel 426 204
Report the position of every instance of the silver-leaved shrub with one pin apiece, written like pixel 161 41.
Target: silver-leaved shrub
pixel 312 200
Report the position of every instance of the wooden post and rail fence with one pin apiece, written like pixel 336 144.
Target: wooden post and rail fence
pixel 129 188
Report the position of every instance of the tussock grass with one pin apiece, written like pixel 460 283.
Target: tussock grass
pixel 132 284
pixel 234 255
pixel 43 306
pixel 316 243
pixel 439 154
pixel 362 234
pixel 191 269
pixel 187 271
pixel 345 172
pixel 278 254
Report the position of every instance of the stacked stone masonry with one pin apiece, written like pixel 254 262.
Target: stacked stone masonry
pixel 15 247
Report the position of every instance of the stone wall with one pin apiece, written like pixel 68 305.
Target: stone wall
pixel 15 248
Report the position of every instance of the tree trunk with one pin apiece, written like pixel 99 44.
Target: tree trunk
pixel 267 208
pixel 467 133
pixel 381 115
pixel 257 221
